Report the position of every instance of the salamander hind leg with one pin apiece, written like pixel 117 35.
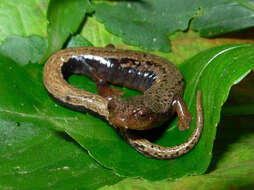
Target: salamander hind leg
pixel 184 116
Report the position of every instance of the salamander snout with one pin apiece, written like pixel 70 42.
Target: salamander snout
pixel 138 117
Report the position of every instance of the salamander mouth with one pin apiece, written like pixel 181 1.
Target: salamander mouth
pixel 130 123
pixel 119 122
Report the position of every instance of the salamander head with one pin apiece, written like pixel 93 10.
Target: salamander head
pixel 131 115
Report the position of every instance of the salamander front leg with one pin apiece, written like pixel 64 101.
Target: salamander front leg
pixel 104 89
pixel 184 116
pixel 108 92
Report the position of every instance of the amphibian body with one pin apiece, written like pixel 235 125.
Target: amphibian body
pixel 160 82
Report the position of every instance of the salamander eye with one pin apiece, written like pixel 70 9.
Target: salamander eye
pixel 142 113
pixel 111 106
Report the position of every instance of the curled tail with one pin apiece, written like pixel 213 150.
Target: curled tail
pixel 149 149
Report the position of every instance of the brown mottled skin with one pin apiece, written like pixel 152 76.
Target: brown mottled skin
pixel 163 153
pixel 160 82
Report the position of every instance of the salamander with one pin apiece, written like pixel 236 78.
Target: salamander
pixel 160 82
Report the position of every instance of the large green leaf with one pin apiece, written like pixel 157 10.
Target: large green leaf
pixel 213 71
pixel 35 153
pixel 217 17
pixel 22 17
pixel 233 162
pixel 184 44
pixel 148 23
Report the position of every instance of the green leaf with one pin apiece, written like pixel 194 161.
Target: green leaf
pixel 35 153
pixel 148 23
pixel 95 32
pixel 224 66
pixel 24 50
pixel 184 44
pixel 231 167
pixel 78 41
pixel 64 17
pixel 224 16
pixel 22 17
